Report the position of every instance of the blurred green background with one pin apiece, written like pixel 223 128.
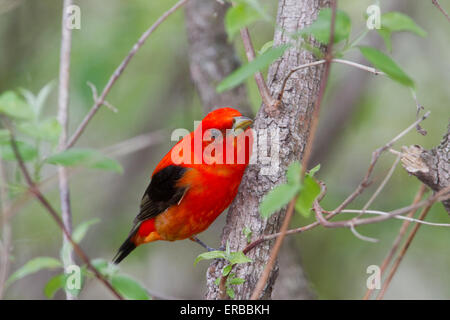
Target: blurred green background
pixel 156 93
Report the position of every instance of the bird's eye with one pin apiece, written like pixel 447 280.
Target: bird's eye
pixel 212 134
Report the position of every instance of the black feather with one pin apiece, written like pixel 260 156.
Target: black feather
pixel 126 247
pixel 161 194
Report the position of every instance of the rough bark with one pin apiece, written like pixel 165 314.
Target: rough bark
pixel 292 119
pixel 212 57
pixel 207 40
pixel 432 167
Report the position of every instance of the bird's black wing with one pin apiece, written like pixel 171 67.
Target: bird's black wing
pixel 161 193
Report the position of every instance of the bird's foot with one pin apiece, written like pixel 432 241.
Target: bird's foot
pixel 208 248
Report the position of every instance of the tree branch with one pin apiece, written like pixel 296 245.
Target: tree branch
pixel 211 56
pixel 63 111
pixel 44 202
pixel 432 167
pixel 292 120
pixel 118 72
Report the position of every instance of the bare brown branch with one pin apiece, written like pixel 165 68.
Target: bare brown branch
pixel 432 167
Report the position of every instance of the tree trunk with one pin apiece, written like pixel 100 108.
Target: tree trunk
pixel 292 120
pixel 432 167
pixel 208 42
pixel 211 56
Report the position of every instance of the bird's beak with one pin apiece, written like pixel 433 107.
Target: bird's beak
pixel 241 123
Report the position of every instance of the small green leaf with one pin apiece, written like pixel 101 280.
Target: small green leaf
pixel 236 281
pixel 85 157
pixel 129 288
pixel 217 281
pixel 314 170
pixel 240 16
pixel 238 257
pixel 387 65
pixel 320 29
pixel 309 193
pixel 265 47
pixel 397 22
pixel 246 70
pixel 230 292
pixel 226 270
pixel 247 233
pixel 210 255
pixel 277 198
pixel 54 284
pixel 33 266
pixel 48 130
pixel 26 151
pixel 81 230
pixel 14 106
pixel 101 265
pixel 37 102
pixel 293 173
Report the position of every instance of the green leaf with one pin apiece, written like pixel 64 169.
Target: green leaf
pixel 14 106
pixel 33 266
pixel 210 255
pixel 247 233
pixel 101 265
pixel 240 16
pixel 246 70
pixel 26 151
pixel 77 235
pixel 54 284
pixel 397 22
pixel 387 65
pixel 320 29
pixel 129 288
pixel 81 230
pixel 265 47
pixel 309 193
pixel 85 157
pixel 314 170
pixel 48 130
pixel 230 292
pixel 277 198
pixel 236 281
pixel 226 270
pixel 238 257
pixel 37 102
pixel 293 173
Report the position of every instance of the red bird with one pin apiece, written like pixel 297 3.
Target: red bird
pixel 194 182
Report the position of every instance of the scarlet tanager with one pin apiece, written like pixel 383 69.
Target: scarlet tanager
pixel 194 182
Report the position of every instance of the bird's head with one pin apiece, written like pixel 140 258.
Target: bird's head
pixel 225 120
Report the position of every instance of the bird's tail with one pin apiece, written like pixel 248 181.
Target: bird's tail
pixel 127 246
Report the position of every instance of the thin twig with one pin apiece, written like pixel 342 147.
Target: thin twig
pixel 63 112
pixel 118 72
pixel 375 156
pixel 279 241
pixel 401 233
pixel 381 186
pixel 266 97
pixel 53 213
pixel 403 252
pixel 319 62
pixel 442 195
pixel 436 3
